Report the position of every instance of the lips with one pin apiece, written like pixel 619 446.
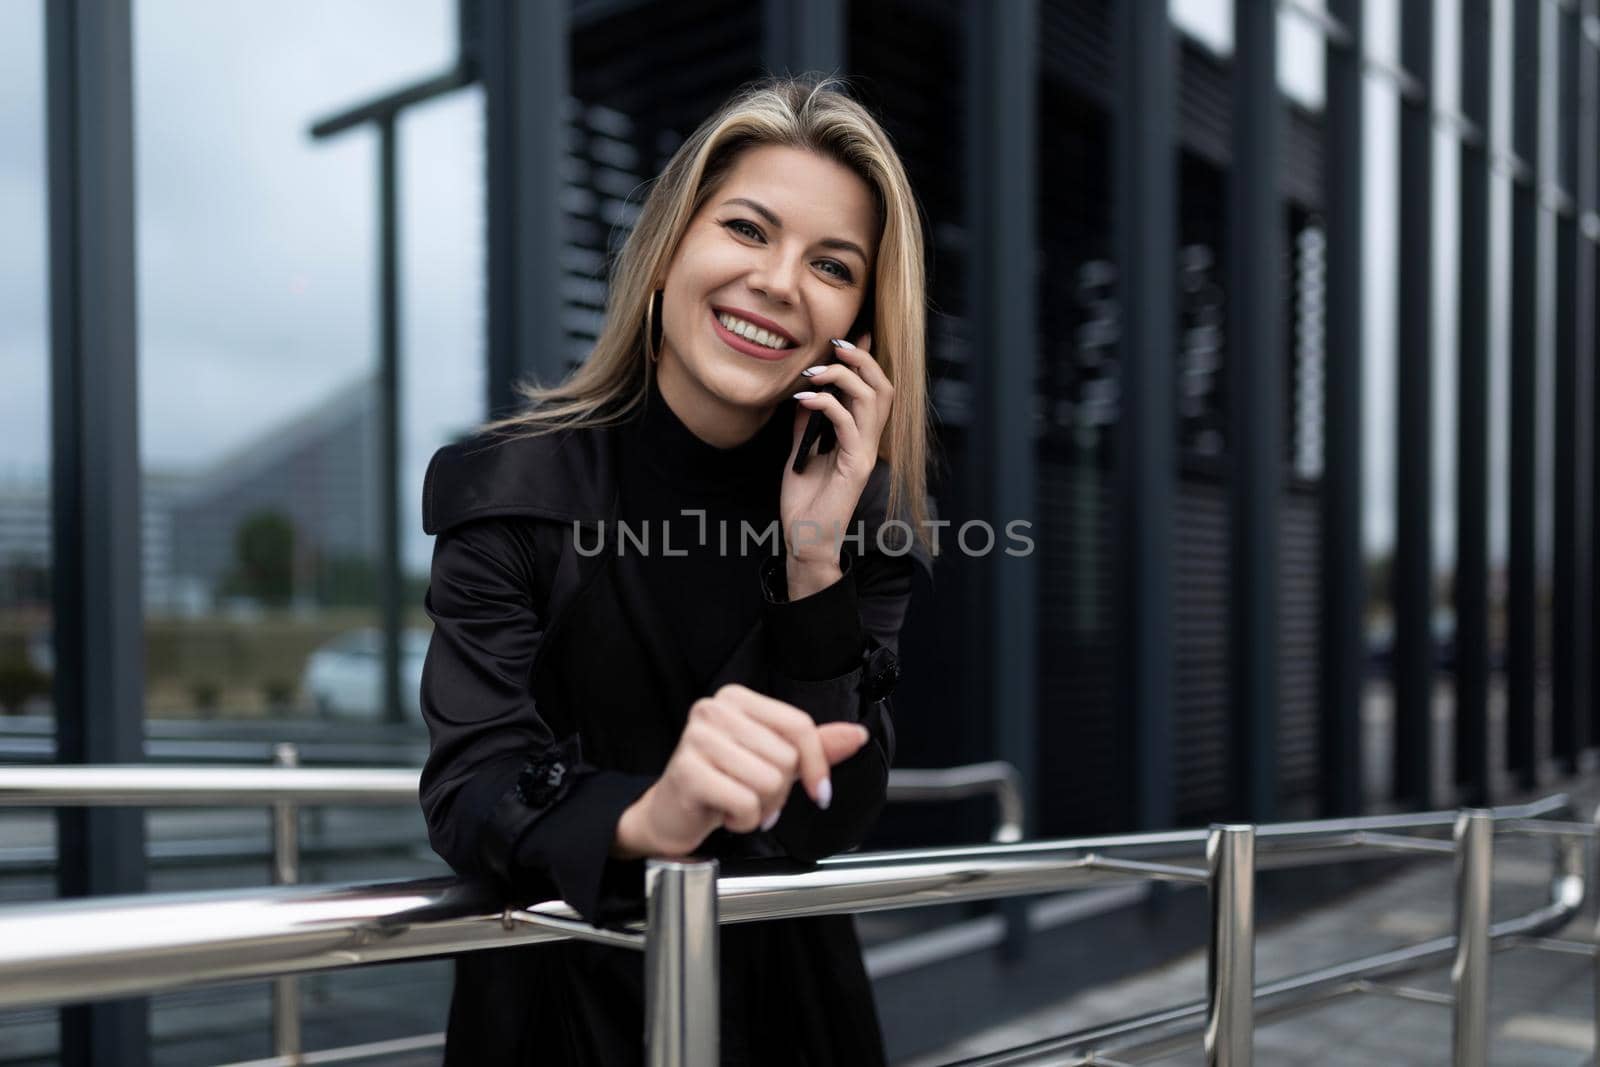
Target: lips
pixel 756 320
pixel 748 348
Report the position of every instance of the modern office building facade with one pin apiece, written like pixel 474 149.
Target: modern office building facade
pixel 1274 320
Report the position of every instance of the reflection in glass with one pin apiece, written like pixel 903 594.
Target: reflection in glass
pixel 257 278
pixel 257 283
pixel 26 652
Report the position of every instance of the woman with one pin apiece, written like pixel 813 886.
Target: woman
pixel 651 637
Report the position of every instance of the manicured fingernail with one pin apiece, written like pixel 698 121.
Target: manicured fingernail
pixel 771 820
pixel 864 733
pixel 840 342
pixel 807 395
pixel 825 793
pixel 809 371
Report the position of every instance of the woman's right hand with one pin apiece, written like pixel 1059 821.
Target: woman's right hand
pixel 739 755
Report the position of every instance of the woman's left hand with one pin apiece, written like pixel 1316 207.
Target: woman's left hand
pixel 816 506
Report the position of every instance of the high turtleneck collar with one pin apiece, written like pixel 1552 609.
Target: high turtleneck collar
pixel 677 454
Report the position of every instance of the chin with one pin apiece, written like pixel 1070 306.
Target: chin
pixel 749 384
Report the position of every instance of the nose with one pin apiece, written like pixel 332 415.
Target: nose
pixel 777 276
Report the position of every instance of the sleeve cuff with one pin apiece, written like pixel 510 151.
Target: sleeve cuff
pixel 572 842
pixel 818 636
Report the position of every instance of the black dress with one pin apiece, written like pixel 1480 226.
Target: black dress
pixel 546 723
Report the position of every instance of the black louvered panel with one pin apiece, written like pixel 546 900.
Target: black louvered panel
pixel 1203 565
pixel 1204 121
pixel 1299 559
pixel 1076 51
pixel 906 65
pixel 1082 767
pixel 668 64
pixel 1078 311
pixel 1202 310
pixel 905 62
pixel 1200 633
pixel 1075 47
pixel 1083 773
pixel 642 81
pixel 603 168
pixel 1302 157
pixel 1200 543
pixel 1300 540
pixel 1204 103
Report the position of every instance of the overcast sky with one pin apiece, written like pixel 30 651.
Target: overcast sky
pixel 257 258
pixel 256 245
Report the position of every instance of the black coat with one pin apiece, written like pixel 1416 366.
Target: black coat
pixel 554 697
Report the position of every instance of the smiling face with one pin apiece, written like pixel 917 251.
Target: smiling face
pixel 784 245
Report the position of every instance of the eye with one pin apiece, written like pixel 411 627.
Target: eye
pixel 749 229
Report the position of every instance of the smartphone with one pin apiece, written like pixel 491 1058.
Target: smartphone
pixel 819 429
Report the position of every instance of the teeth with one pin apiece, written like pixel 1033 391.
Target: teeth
pixel 751 332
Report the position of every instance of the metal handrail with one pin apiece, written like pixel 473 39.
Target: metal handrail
pixel 57 951
pixel 287 787
pixel 69 951
pixel 203 786
pixel 1169 1030
pixel 975 779
pixel 143 785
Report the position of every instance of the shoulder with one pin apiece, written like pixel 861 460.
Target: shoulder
pixel 555 476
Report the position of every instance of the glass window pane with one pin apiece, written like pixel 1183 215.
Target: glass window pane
pixel 257 286
pixel 258 289
pixel 26 655
pixel 443 370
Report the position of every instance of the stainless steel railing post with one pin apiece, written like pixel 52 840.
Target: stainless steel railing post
pixel 1474 835
pixel 1231 965
pixel 682 990
pixel 286 871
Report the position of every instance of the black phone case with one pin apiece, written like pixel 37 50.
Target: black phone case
pixel 819 429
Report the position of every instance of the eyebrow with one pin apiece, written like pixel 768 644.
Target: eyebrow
pixel 765 212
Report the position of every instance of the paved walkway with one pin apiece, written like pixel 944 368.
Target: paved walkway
pixel 1542 1004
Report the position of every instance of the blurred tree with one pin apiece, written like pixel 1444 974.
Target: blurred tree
pixel 20 681
pixel 345 580
pixel 263 550
pixel 24 584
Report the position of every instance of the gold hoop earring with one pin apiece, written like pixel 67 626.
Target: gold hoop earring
pixel 650 350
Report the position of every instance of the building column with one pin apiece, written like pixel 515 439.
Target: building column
pixel 1002 222
pixel 800 36
pixel 1522 612
pixel 1144 227
pixel 95 479
pixel 1343 576
pixel 1413 566
pixel 1474 308
pixel 1255 360
pixel 523 58
pixel 1572 576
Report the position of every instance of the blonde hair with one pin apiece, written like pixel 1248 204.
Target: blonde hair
pixel 810 112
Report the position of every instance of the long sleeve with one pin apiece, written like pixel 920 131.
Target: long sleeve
pixel 504 798
pixel 833 654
